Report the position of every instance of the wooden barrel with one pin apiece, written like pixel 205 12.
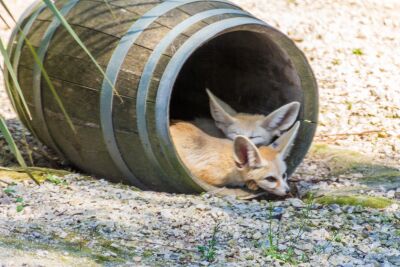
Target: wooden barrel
pixel 159 56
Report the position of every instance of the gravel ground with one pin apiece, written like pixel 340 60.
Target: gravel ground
pixel 352 46
pixel 119 225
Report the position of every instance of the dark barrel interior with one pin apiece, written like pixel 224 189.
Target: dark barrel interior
pixel 245 69
pixel 253 72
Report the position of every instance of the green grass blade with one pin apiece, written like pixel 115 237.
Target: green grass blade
pixel 14 149
pixel 14 77
pixel 27 148
pixel 110 9
pixel 16 102
pixel 6 9
pixel 10 93
pixel 71 31
pixel 5 21
pixel 8 12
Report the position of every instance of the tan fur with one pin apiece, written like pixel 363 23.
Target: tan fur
pixel 215 161
pixel 208 158
pixel 260 129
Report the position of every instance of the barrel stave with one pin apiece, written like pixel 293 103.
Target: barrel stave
pixel 99 44
pixel 85 149
pixel 97 16
pixel 139 7
pixel 47 14
pixel 130 146
pixel 197 7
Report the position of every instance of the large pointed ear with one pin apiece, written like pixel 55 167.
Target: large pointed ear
pixel 284 143
pixel 220 111
pixel 282 118
pixel 246 153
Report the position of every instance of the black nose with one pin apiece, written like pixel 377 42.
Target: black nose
pixel 287 191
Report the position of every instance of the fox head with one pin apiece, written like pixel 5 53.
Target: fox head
pixel 259 129
pixel 265 167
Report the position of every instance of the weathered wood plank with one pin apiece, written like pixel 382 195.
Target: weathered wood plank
pixel 132 151
pixel 98 16
pixel 126 85
pixel 83 104
pixel 139 7
pixel 172 18
pixel 197 7
pixel 37 31
pixel 100 45
pixel 222 17
pixel 224 5
pixel 195 28
pixel 47 14
pixel 86 149
pixel 151 36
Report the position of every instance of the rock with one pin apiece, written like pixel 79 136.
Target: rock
pixel 42 253
pixel 320 234
pixel 257 235
pixel 166 214
pixel 110 254
pixel 395 260
pixel 137 259
pixel 36 235
pixel 297 203
pixel 236 235
pixel 202 207
pixel 335 208
pixel 391 194
pixel 307 246
pixel 282 247
pixel 62 234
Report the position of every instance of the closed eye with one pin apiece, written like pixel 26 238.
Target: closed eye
pixel 271 179
pixel 233 133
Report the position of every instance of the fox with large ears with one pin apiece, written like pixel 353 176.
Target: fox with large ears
pixel 222 162
pixel 260 129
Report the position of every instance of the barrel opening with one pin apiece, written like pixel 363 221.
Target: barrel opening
pixel 245 68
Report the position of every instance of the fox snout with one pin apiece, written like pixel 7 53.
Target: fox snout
pixel 280 189
pixel 283 191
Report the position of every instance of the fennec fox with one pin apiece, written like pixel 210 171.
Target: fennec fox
pixel 222 162
pixel 259 129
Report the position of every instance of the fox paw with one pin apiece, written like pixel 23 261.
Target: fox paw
pixel 252 185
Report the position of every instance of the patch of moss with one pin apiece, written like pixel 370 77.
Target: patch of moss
pixel 121 251
pixel 103 258
pixel 147 253
pixel 104 252
pixel 40 174
pixel 57 248
pixel 342 161
pixel 389 179
pixel 356 200
pixel 397 232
